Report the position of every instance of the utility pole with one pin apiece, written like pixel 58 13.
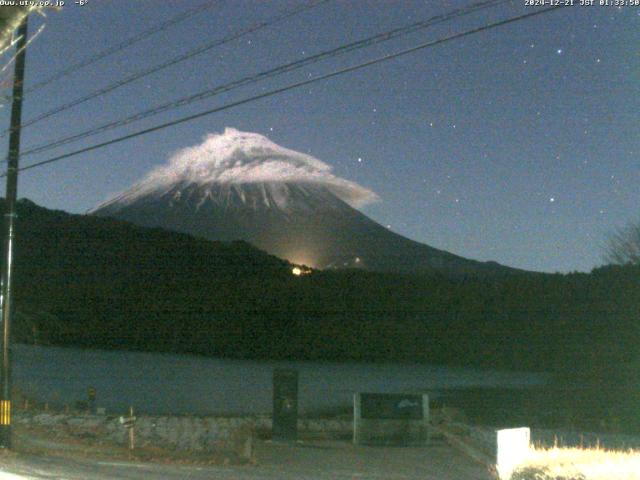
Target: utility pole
pixel 9 234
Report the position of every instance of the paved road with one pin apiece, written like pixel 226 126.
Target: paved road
pixel 303 461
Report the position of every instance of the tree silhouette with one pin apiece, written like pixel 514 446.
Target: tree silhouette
pixel 624 246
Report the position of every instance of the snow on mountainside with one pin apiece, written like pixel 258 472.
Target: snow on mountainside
pixel 242 186
pixel 241 158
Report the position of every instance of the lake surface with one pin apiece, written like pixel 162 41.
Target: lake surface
pixel 183 384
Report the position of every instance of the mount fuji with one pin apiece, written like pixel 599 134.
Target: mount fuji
pixel 242 186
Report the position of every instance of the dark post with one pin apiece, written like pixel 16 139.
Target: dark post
pixel 285 405
pixel 91 400
pixel 9 233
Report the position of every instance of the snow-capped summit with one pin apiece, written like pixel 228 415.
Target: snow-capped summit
pixel 242 186
pixel 241 158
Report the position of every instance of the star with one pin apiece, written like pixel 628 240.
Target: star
pixel 359 159
pixel 559 51
pixel 552 199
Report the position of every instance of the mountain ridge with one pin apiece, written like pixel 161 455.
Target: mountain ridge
pixel 103 283
pixel 242 186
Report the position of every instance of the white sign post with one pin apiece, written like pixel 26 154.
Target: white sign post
pixel 512 450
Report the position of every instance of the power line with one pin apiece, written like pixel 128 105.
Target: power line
pixel 122 45
pixel 267 74
pixel 367 42
pixel 180 58
pixel 293 86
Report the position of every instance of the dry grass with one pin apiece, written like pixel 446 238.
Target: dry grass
pixel 579 464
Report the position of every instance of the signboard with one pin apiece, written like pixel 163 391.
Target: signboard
pixel 390 419
pixel 391 406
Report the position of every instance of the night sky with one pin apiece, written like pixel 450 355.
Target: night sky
pixel 518 144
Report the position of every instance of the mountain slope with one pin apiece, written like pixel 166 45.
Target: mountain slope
pixel 242 186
